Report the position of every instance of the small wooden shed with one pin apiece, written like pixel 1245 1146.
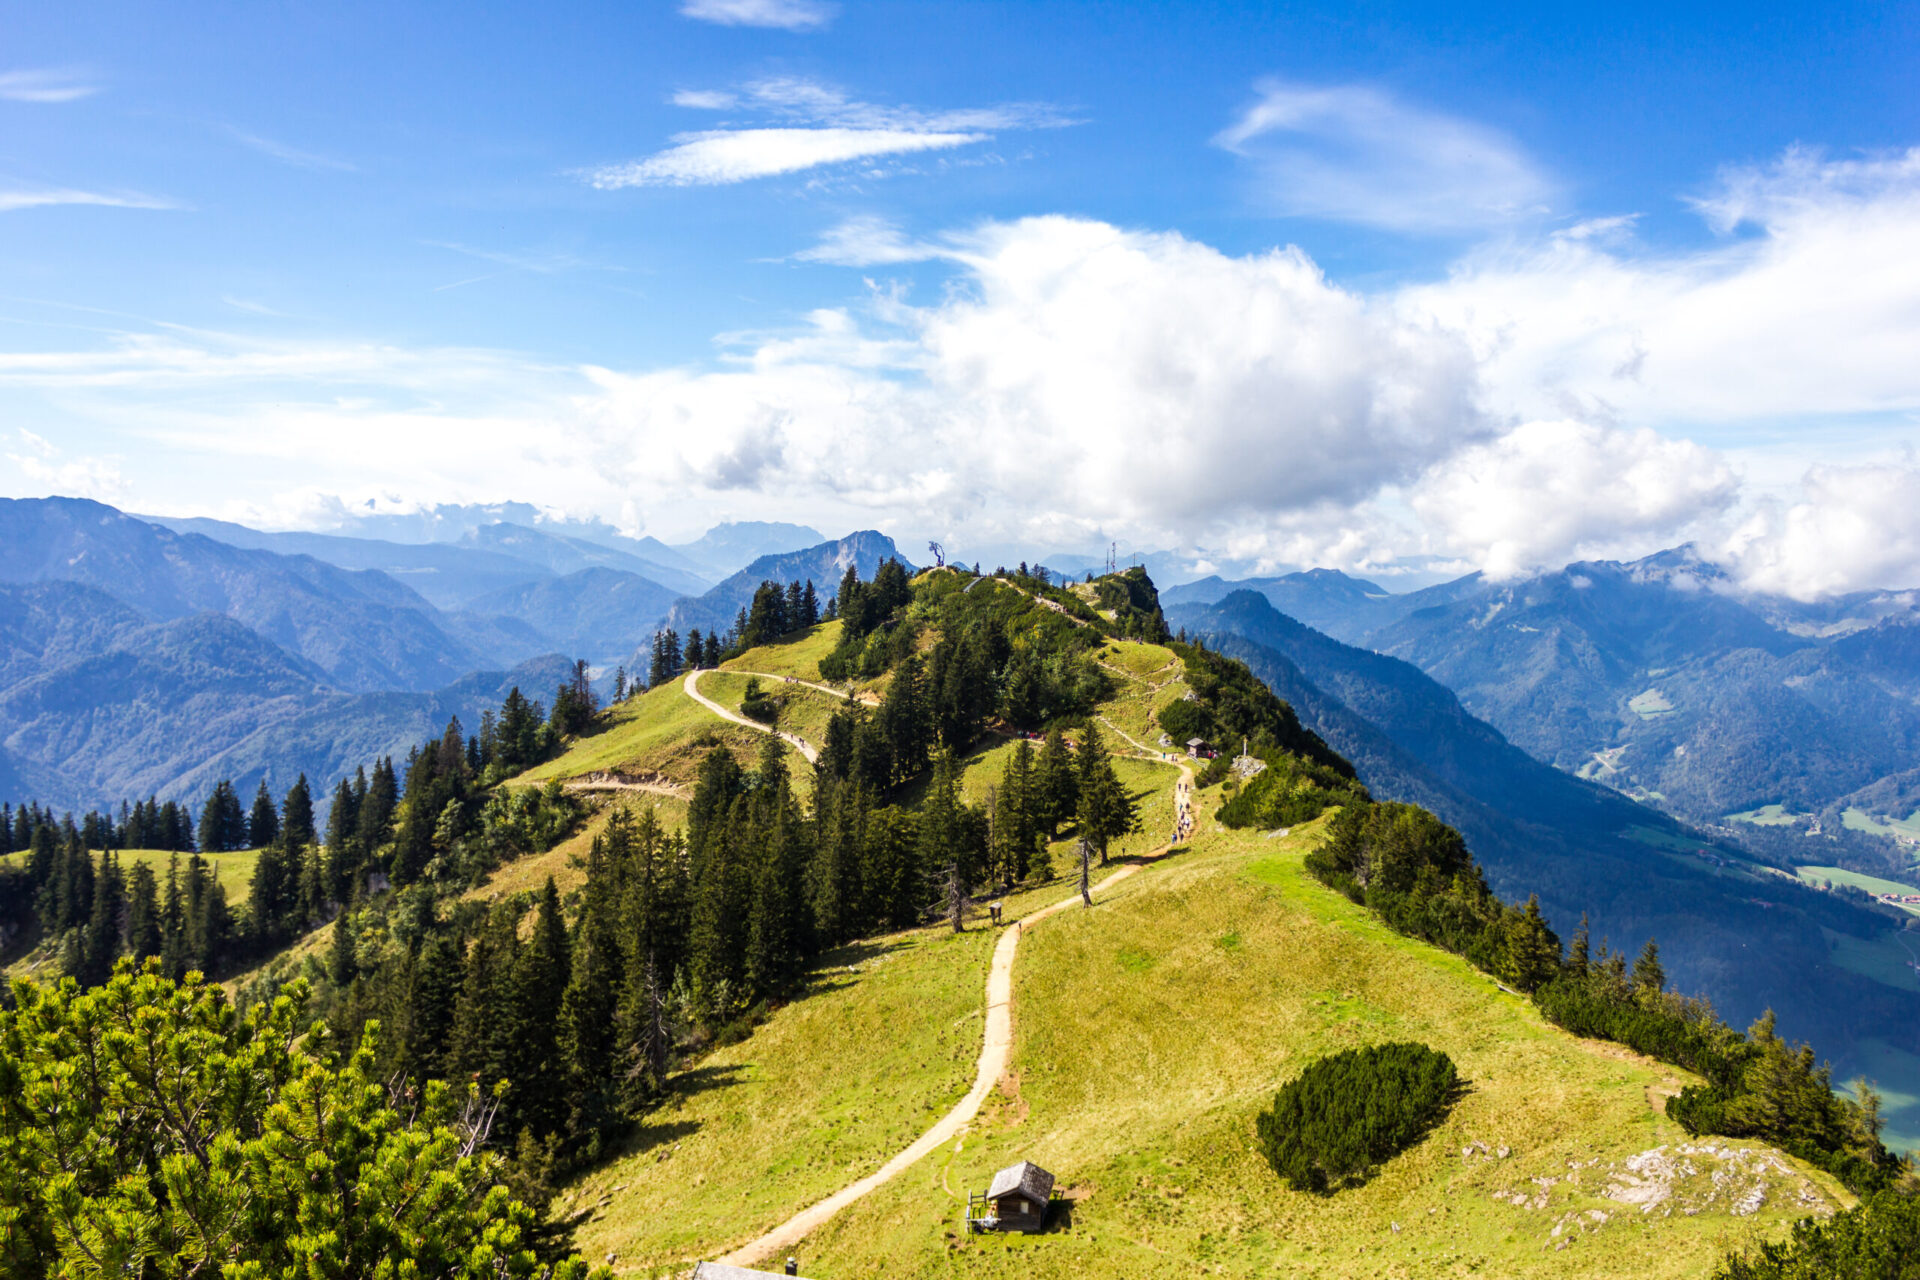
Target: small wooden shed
pixel 1197 747
pixel 1016 1200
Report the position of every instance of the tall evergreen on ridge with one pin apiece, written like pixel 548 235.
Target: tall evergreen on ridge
pixel 296 820
pixel 1105 810
pixel 540 976
pixel 223 824
pixel 1056 784
pixel 263 824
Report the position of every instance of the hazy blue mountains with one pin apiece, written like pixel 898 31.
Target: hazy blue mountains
pixel 1663 679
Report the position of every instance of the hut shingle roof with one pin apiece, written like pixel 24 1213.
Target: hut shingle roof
pixel 1027 1178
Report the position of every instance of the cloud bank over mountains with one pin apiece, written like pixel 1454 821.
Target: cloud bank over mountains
pixel 1553 396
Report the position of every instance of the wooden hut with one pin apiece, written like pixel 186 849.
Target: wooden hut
pixel 1197 747
pixel 1017 1200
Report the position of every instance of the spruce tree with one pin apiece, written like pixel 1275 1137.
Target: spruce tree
pixel 696 652
pixel 144 919
pixel 589 1008
pixel 1056 783
pixel 376 808
pixel 296 820
pixel 1532 952
pixel 343 963
pixel 109 909
pixel 1649 977
pixel 173 925
pixel 540 973
pixel 432 996
pixel 263 824
pixel 1105 810
pixel 1577 957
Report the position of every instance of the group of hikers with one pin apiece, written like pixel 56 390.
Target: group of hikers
pixel 1182 811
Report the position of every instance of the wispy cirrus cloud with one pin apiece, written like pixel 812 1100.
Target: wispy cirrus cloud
pixel 868 241
pixel 41 197
pixel 801 124
pixel 1353 153
pixel 786 15
pixel 738 155
pixel 46 85
pixel 291 155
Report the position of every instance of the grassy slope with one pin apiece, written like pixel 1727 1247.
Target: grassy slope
pixel 798 655
pixel 661 731
pixel 1151 1030
pixel 234 870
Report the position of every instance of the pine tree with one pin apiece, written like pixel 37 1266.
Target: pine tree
pixel 588 1010
pixel 173 925
pixel 223 825
pixel 109 909
pixel 296 821
pixel 696 652
pixel 1578 958
pixel 144 921
pixel 1056 783
pixel 773 835
pixel 1532 952
pixel 1106 812
pixel 270 895
pixel 263 825
pixel 712 657
pixel 809 606
pixel 1649 978
pixel 432 997
pixel 343 963
pixel 343 843
pixel 376 808
pixel 479 1044
pixel 541 971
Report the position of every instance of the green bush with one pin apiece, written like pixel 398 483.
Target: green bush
pixel 1347 1113
pixel 1186 719
pixel 757 705
pixel 1876 1240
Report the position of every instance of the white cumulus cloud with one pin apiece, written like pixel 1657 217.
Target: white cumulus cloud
pixel 1848 528
pixel 1549 492
pixel 1812 314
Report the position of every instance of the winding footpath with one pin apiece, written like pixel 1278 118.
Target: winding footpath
pixel 793 740
pixel 996 1047
pixel 865 699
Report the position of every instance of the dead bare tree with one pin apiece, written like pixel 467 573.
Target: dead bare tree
pixel 1086 861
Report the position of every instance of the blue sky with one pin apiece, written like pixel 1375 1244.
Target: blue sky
pixel 875 264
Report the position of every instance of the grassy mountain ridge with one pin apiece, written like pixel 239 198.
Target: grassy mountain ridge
pixel 1148 1031
pixel 1745 937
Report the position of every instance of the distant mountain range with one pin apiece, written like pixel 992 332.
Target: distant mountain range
pixel 1748 937
pixel 148 655
pixel 1661 679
